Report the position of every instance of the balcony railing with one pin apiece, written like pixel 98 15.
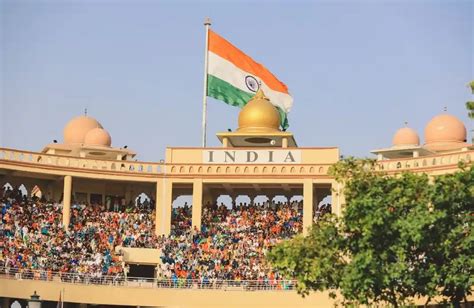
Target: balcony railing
pixel 150 283
pixel 160 169
pixel 426 162
pixel 150 168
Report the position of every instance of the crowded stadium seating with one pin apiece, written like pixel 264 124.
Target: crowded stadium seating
pixel 231 244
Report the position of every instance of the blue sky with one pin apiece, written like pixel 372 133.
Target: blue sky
pixel 357 69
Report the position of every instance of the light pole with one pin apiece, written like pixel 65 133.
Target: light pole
pixel 34 301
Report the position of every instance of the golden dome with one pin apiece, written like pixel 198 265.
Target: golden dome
pixel 445 132
pixel 259 115
pixel 76 130
pixel 406 136
pixel 98 136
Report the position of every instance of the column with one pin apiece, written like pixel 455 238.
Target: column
pixel 67 201
pixel 5 302
pixel 164 200
pixel 197 204
pixel 159 205
pixel 307 205
pixel 225 142
pixel 284 142
pixel 337 198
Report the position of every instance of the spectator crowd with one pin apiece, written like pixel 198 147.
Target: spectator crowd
pixel 231 244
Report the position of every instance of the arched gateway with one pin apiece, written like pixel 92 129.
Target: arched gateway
pixel 258 165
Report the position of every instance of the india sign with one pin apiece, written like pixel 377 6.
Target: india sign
pixel 251 156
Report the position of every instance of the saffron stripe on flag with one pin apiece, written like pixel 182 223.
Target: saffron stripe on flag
pixel 230 73
pixel 226 50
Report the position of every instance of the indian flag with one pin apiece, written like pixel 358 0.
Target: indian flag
pixel 234 78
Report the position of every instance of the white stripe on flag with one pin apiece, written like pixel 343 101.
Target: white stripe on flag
pixel 229 72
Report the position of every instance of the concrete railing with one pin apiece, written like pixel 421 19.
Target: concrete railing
pixel 142 282
pixel 427 162
pixel 33 158
pixel 150 168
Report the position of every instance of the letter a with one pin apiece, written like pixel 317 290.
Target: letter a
pixel 290 157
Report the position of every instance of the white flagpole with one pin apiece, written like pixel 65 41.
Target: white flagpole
pixel 207 23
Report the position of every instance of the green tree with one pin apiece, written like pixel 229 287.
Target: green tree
pixel 470 104
pixel 453 240
pixel 392 242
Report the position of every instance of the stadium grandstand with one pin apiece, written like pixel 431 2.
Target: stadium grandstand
pixel 84 223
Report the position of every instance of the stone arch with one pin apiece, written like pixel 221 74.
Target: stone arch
pixel 36 192
pixel 227 170
pixel 255 170
pixel 181 169
pixel 293 170
pixel 302 170
pixel 218 170
pixel 191 170
pixel 246 170
pixel 264 170
pixel 209 169
pixel 321 170
pixel 283 170
pixel 237 170
pixel 274 170
pixel 143 201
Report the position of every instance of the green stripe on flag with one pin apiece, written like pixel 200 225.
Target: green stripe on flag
pixel 224 91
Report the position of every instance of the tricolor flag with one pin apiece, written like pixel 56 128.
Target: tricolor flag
pixel 234 78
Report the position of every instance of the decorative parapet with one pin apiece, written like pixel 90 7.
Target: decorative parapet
pixel 61 163
pixel 427 163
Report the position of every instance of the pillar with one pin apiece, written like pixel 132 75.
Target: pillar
pixel 307 205
pixel 163 204
pixel 197 204
pixel 284 142
pixel 67 201
pixel 159 200
pixel 5 302
pixel 225 142
pixel 337 198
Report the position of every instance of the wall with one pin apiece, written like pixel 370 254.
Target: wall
pixel 135 296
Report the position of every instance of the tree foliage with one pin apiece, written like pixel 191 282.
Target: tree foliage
pixel 470 104
pixel 398 237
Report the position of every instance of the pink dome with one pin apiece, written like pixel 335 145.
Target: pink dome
pixel 406 136
pixel 445 127
pixel 98 136
pixel 445 132
pixel 76 130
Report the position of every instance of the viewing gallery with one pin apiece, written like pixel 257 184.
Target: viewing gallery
pixel 86 222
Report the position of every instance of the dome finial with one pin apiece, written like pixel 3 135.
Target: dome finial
pixel 85 111
pixel 259 115
pixel 260 95
pixel 406 123
pixel 445 109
